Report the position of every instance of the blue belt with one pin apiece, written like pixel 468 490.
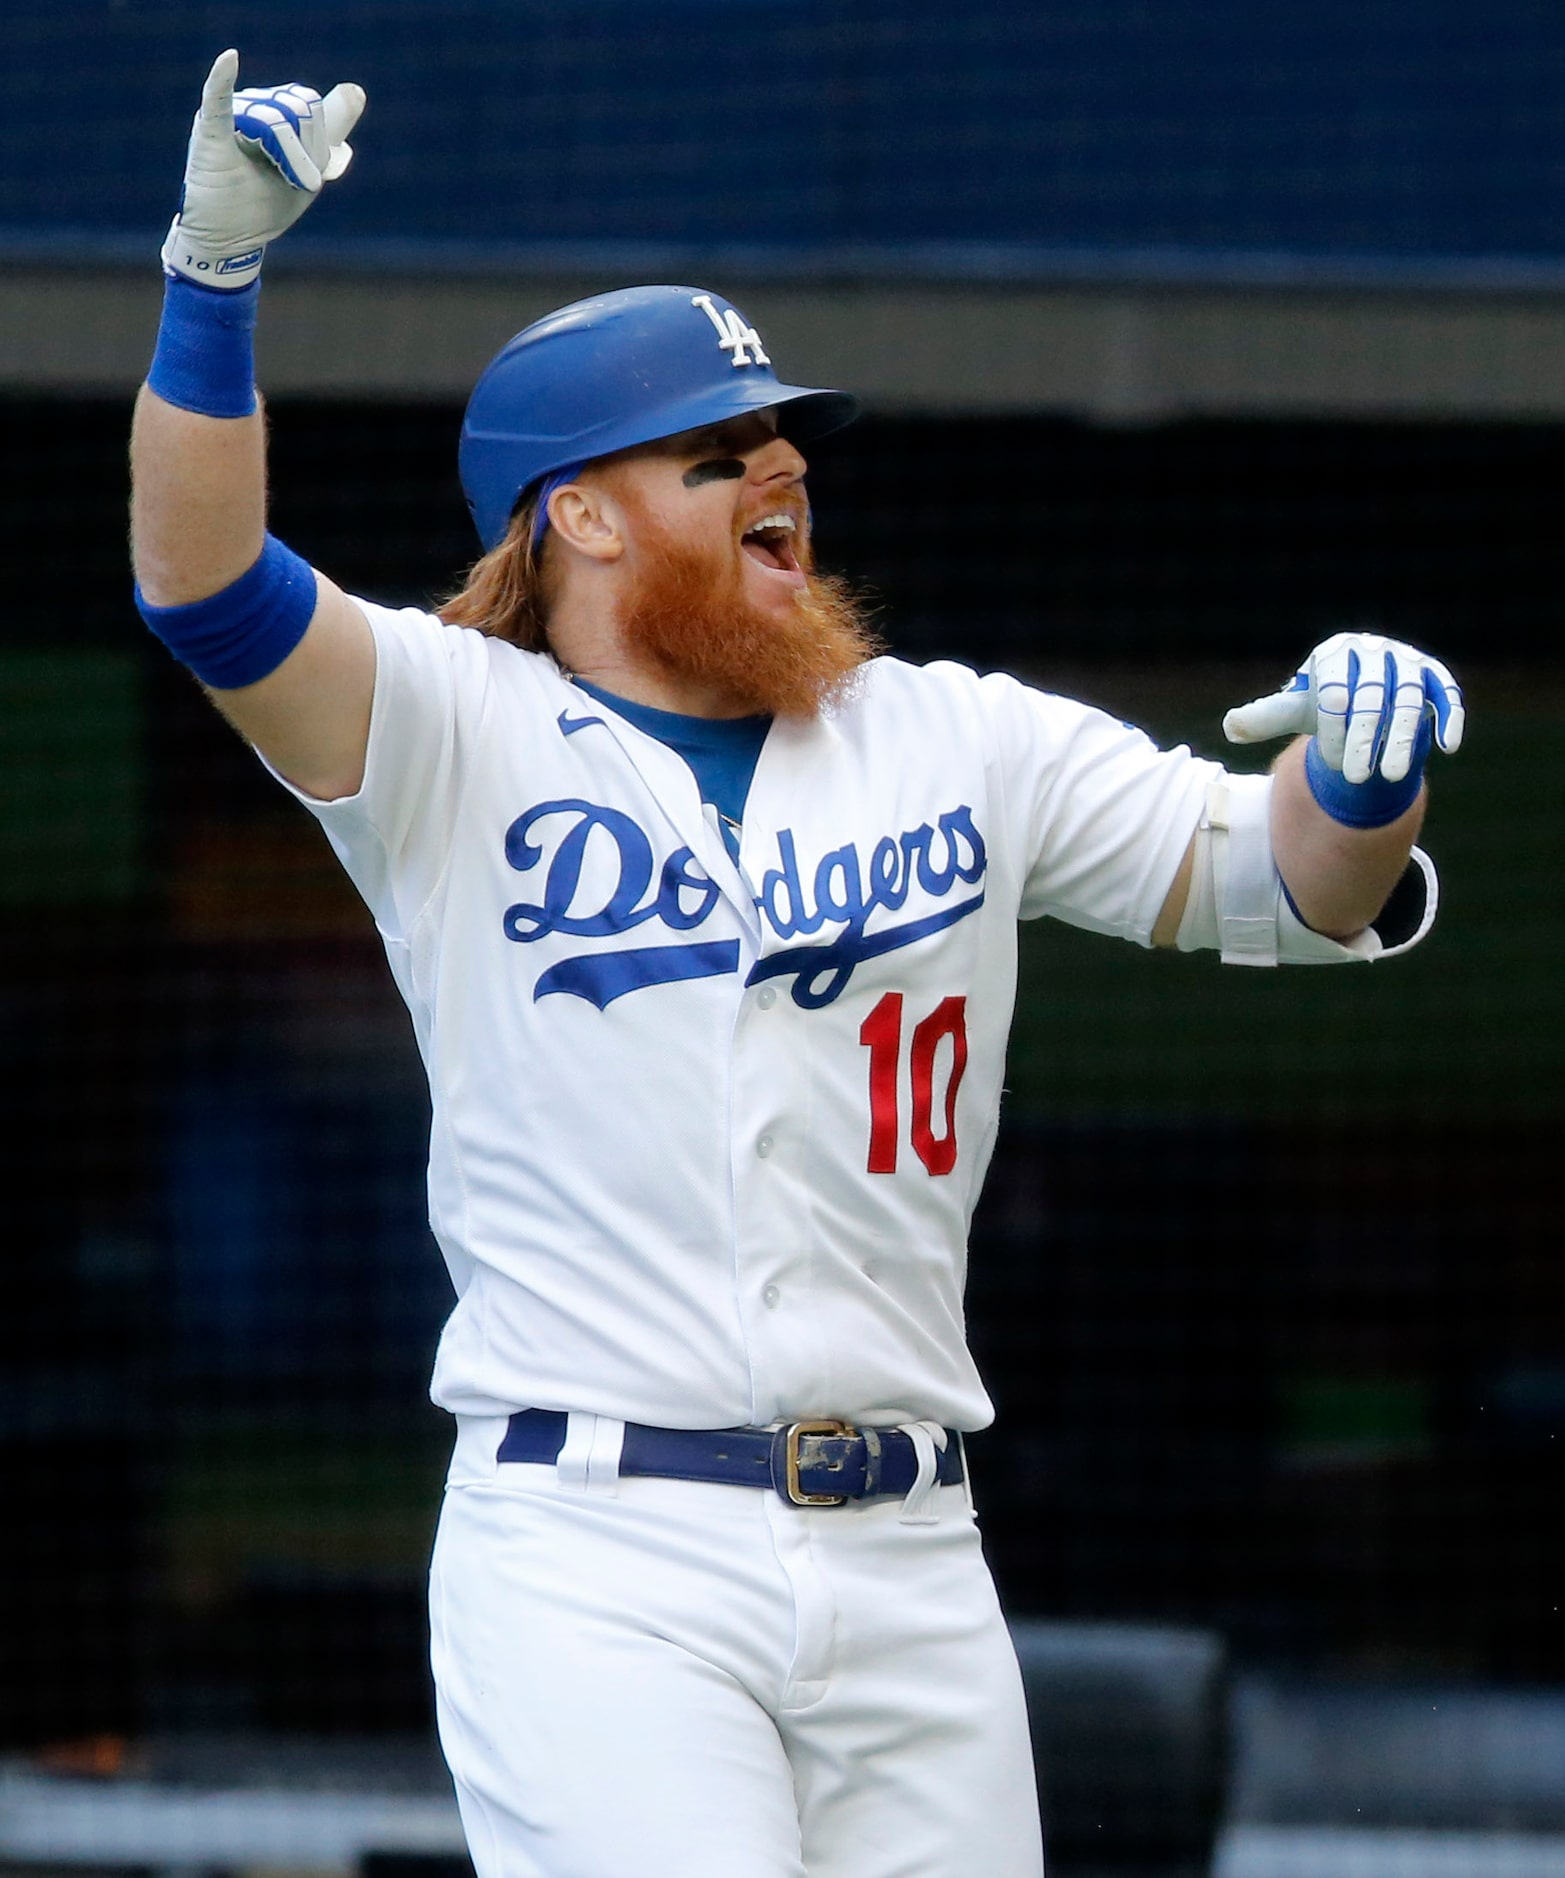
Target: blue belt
pixel 816 1463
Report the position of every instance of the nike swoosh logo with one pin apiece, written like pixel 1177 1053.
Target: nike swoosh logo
pixel 570 725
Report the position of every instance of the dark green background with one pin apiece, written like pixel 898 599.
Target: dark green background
pixel 1266 1283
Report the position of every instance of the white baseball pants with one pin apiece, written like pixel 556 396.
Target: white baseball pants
pixel 673 1679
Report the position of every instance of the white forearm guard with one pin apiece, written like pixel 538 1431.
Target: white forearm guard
pixel 1237 904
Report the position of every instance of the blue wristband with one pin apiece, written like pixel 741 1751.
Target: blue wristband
pixel 1369 804
pixel 205 357
pixel 242 634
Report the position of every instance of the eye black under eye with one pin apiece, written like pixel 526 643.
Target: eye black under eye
pixel 714 470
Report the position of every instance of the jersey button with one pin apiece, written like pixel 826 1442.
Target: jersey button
pixel 764 1146
pixel 771 1297
pixel 766 997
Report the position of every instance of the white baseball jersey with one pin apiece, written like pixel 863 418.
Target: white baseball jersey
pixel 707 1138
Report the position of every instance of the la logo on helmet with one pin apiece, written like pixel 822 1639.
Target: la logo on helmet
pixel 732 333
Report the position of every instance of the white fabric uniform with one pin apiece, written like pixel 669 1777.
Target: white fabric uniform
pixel 670 1679
pixel 706 1143
pixel 658 1080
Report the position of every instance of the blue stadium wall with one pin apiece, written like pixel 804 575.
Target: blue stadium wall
pixel 1390 135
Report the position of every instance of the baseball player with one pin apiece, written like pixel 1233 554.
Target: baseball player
pixel 706 919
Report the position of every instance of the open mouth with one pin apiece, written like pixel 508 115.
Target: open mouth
pixel 769 542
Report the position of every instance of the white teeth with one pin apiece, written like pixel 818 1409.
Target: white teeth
pixel 771 521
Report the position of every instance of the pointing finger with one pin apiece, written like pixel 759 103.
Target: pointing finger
pixel 1277 715
pixel 217 93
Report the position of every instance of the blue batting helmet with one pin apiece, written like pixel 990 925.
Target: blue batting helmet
pixel 620 369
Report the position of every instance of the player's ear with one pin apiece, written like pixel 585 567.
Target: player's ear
pixel 586 519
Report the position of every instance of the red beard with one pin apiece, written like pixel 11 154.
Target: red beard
pixel 690 619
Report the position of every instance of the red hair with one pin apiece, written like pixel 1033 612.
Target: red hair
pixel 509 591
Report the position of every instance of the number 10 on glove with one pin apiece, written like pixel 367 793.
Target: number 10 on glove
pixel 256 161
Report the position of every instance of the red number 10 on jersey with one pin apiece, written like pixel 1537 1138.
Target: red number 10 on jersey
pixel 881 1035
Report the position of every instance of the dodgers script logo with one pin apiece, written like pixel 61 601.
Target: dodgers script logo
pixel 846 892
pixel 597 878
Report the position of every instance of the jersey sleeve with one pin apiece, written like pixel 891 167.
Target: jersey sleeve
pixel 1101 816
pixel 393 834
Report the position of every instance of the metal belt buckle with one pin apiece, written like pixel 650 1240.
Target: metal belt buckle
pixel 795 1432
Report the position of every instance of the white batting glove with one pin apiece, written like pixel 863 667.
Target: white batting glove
pixel 257 160
pixel 1365 698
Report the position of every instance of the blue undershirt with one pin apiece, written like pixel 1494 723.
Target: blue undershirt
pixel 722 752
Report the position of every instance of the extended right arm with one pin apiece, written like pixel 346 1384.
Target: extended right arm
pixel 285 655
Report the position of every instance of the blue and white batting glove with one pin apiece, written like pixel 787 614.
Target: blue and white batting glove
pixel 1374 706
pixel 257 160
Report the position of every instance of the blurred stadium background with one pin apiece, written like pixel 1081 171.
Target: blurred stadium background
pixel 1188 333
